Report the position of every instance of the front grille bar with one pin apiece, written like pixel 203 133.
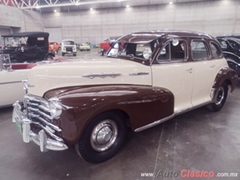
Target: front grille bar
pixel 45 122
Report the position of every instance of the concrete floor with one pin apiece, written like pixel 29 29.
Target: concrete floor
pixel 197 140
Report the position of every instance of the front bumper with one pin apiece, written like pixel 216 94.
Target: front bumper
pixel 40 138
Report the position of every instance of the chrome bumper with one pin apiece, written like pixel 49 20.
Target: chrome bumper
pixel 41 139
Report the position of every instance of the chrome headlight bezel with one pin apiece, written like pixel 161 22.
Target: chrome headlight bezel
pixel 55 108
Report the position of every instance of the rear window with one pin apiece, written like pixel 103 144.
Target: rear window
pixel 199 50
pixel 216 52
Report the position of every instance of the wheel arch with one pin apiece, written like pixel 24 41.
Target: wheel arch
pixel 226 75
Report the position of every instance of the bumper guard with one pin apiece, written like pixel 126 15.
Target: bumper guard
pixel 41 139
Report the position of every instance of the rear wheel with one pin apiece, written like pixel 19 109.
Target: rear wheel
pixel 63 54
pixel 220 100
pixel 102 138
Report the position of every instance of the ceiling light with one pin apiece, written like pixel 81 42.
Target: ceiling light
pixel 55 10
pixel 170 2
pixel 91 9
pixel 127 6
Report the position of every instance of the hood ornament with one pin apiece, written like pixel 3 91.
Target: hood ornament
pixel 26 85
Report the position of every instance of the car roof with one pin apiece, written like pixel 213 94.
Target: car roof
pixel 28 34
pixel 230 38
pixel 67 40
pixel 148 36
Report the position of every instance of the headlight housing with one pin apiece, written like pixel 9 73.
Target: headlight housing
pixel 55 108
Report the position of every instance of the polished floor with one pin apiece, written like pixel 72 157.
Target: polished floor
pixel 195 141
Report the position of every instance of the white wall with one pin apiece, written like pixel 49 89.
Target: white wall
pixel 25 20
pixel 214 17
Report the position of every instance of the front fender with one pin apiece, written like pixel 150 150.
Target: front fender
pixel 142 104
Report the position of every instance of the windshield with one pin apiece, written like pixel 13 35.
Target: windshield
pixel 134 50
pixel 68 42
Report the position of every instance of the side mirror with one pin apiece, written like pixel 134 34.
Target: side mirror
pixel 163 51
pixel 175 42
pixel 147 53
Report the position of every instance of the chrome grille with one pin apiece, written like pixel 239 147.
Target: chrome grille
pixel 69 49
pixel 38 111
pixel 37 108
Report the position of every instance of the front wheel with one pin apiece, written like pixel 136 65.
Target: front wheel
pixel 102 138
pixel 221 96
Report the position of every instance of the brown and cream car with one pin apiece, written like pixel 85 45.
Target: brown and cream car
pixel 145 79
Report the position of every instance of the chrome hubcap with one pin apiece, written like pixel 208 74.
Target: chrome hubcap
pixel 104 135
pixel 220 96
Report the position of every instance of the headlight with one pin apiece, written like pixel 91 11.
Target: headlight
pixel 64 49
pixel 55 108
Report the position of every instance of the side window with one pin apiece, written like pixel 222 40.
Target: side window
pixel 234 44
pixel 223 44
pixel 216 52
pixel 165 54
pixel 199 50
pixel 173 52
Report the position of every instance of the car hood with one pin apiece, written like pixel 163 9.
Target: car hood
pixel 102 71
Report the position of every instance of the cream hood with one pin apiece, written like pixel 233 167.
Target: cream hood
pixel 87 72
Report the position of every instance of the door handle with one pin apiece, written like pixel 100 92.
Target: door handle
pixel 212 66
pixel 139 74
pixel 190 69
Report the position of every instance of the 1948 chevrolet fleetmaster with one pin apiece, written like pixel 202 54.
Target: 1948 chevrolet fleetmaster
pixel 146 79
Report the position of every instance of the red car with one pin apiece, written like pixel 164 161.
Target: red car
pixel 107 43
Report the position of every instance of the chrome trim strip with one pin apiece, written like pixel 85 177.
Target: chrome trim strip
pixel 230 60
pixel 13 82
pixel 153 123
pixel 101 75
pixel 139 74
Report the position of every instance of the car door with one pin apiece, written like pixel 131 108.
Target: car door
pixel 172 70
pixel 11 87
pixel 207 61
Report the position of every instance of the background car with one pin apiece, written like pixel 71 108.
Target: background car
pixel 27 46
pixel 68 46
pixel 54 47
pixel 11 77
pixel 84 47
pixel 231 51
pixel 105 46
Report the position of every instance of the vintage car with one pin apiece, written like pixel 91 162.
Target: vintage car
pixel 27 46
pixel 84 47
pixel 54 47
pixel 68 46
pixel 11 76
pixel 105 46
pixel 231 51
pixel 146 79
